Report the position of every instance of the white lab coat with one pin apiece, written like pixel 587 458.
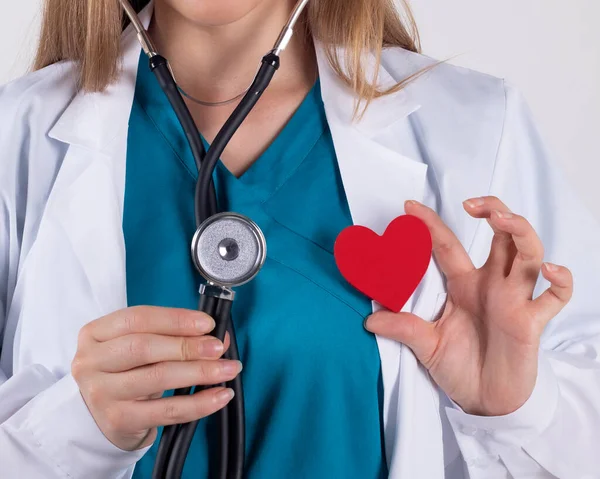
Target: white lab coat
pixel 451 135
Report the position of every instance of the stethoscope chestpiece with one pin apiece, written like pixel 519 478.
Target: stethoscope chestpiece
pixel 228 249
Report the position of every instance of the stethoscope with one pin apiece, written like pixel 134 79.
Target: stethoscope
pixel 227 249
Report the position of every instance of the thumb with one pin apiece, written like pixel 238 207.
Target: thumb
pixel 419 335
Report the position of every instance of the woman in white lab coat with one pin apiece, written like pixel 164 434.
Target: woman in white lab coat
pixel 492 368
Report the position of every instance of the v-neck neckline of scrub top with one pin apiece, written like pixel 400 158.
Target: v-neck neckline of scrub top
pixel 270 170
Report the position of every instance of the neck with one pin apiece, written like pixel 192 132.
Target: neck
pixel 216 63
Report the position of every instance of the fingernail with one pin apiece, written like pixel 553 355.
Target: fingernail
pixel 412 202
pixel 474 202
pixel 232 367
pixel 551 267
pixel 225 396
pixel 205 324
pixel 213 346
pixel 365 325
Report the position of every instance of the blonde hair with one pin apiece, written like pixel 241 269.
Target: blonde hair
pixel 88 32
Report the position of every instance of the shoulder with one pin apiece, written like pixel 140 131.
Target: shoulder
pixel 454 86
pixel 475 131
pixel 36 100
pixel 450 92
pixel 465 115
pixel 29 108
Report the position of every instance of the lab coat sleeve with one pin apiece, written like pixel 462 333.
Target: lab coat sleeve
pixel 46 430
pixel 52 434
pixel 556 433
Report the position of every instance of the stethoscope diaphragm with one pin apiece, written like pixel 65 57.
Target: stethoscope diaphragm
pixel 229 249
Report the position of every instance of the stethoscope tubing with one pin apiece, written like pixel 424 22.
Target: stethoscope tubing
pixel 160 67
pixel 269 65
pixel 176 439
pixel 229 423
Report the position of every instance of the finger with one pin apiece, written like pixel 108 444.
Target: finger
pixel 150 319
pixel 450 254
pixel 503 250
pixel 502 255
pixel 530 251
pixel 134 350
pixel 419 335
pixel 227 342
pixel 141 415
pixel 160 377
pixel 547 305
pixel 482 206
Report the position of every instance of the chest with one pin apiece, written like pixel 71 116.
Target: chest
pixel 295 194
pixel 263 124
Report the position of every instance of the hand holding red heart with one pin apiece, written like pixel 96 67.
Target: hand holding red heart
pixel 483 350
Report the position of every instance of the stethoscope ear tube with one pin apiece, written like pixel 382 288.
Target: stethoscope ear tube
pixel 160 67
pixel 269 65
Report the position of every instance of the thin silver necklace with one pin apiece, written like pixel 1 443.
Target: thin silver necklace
pixel 212 103
pixel 223 102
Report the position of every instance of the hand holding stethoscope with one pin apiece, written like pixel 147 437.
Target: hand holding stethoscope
pixel 127 359
pixel 488 336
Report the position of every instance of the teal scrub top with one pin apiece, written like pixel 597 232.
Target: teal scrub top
pixel 312 374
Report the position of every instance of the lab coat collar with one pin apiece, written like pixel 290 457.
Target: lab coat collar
pixel 381 112
pixel 98 120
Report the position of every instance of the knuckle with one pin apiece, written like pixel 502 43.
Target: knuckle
pixel 182 321
pixel 203 405
pixel 129 321
pixel 139 347
pixel 78 367
pixel 207 371
pixel 531 327
pixel 533 256
pixel 94 393
pixel 569 295
pixel 444 247
pixel 172 412
pixel 429 213
pixel 156 373
pixel 133 318
pixel 525 222
pixel 114 418
pixel 501 239
pixel 569 275
pixel 85 333
pixel 566 296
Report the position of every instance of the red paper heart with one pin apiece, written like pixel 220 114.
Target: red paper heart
pixel 386 268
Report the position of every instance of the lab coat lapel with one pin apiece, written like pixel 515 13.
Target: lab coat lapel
pixel 377 179
pixel 87 201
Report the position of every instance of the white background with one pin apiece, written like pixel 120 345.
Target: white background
pixel 549 48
